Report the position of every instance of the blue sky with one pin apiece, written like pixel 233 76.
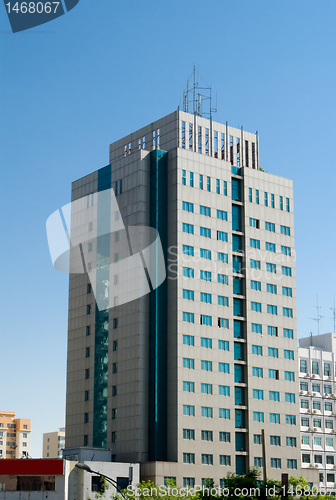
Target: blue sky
pixel 71 87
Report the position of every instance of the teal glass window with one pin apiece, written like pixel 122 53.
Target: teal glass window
pixel 287 291
pixel 287 204
pixel 208 184
pixel 201 181
pixel 274 396
pixel 189 410
pixel 189 363
pixel 256 285
pixel 286 271
pixel 224 390
pixel 222 257
pixel 205 342
pixel 250 195
pixel 205 210
pixel 206 435
pixel 285 250
pixel 189 434
pixel 206 411
pixel 240 419
pixel 205 231
pixel 291 441
pixel 258 416
pixel 271 288
pixel 238 351
pixel 270 268
pixel 275 418
pixel 287 312
pixel 256 328
pixel 223 345
pixel 188 272
pixel 205 297
pixel 239 396
pixel 291 419
pixel 288 333
pixel 222 236
pixel 266 199
pixel 205 275
pixel 217 186
pixel 224 413
pixel 188 250
pixel 188 386
pixel 187 207
pixel 223 367
pixel 191 179
pixel 188 317
pixel 257 350
pixel 187 228
pixel 206 365
pixel 255 264
pixel 281 202
pixel 270 247
pixel 237 264
pixel 222 279
pixel 270 226
pixel 184 180
pixel 188 340
pixel 285 230
pixel 275 441
pixel 221 215
pixel 224 437
pixel 223 301
pixel 206 388
pixel 254 223
pixel 273 374
pixel 289 354
pixel 237 286
pixel 205 254
pixel 239 374
pixel 257 196
pixel 290 397
pixel 188 294
pixel 257 372
pixel 205 320
pixel 272 309
pixel 290 376
pixel 273 352
pixel 258 394
pixel 256 306
pixel 225 188
pixel 236 218
pixel 236 189
pixel 276 463
pixel 272 330
pixel 238 307
pixel 272 201
pixel 254 243
pixel 238 329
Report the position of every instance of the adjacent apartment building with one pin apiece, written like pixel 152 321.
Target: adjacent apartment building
pixel 317 355
pixel 186 378
pixel 14 436
pixel 53 444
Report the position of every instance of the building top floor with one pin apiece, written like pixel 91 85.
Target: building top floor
pixel 325 342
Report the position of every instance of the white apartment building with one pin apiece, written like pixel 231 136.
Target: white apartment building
pixel 317 358
pixel 185 379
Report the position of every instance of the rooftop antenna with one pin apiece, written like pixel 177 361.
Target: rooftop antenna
pixel 334 315
pixel 318 316
pixel 195 94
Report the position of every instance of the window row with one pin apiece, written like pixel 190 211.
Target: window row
pixel 270 267
pixel 287 312
pixel 317 423
pixel 272 330
pixel 270 247
pixel 205 182
pixel 206 459
pixel 204 253
pixel 205 320
pixel 275 463
pixel 275 440
pixel 269 200
pixel 270 288
pixel 205 297
pixel 315 387
pixel 316 368
pixel 270 226
pixel 272 374
pixel 273 352
pixel 274 418
pixel 316 405
pixel 204 231
pixel 274 395
pixel 204 210
pixel 317 459
pixel 317 440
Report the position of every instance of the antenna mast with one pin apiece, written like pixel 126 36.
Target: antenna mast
pixel 318 316
pixel 196 95
pixel 334 315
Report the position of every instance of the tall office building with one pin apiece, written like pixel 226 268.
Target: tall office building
pixel 14 436
pixel 317 356
pixel 185 379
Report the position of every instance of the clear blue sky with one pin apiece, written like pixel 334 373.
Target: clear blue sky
pixel 71 87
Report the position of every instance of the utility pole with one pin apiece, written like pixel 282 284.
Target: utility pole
pixel 318 316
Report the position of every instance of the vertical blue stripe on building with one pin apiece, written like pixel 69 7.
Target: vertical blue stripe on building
pixel 102 317
pixel 157 444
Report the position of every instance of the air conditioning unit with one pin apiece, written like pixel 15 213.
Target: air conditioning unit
pixel 333 395
pixel 314 393
pixel 309 393
pixel 333 431
pixel 334 467
pixel 311 465
pixel 314 411
pixel 316 466
pixel 329 378
pixel 326 394
pixel 301 392
pixel 315 429
pixel 310 429
pixel 307 375
pixel 313 376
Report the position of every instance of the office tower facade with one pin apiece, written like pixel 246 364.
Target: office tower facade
pixel 53 444
pixel 186 378
pixel 14 435
pixel 317 358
